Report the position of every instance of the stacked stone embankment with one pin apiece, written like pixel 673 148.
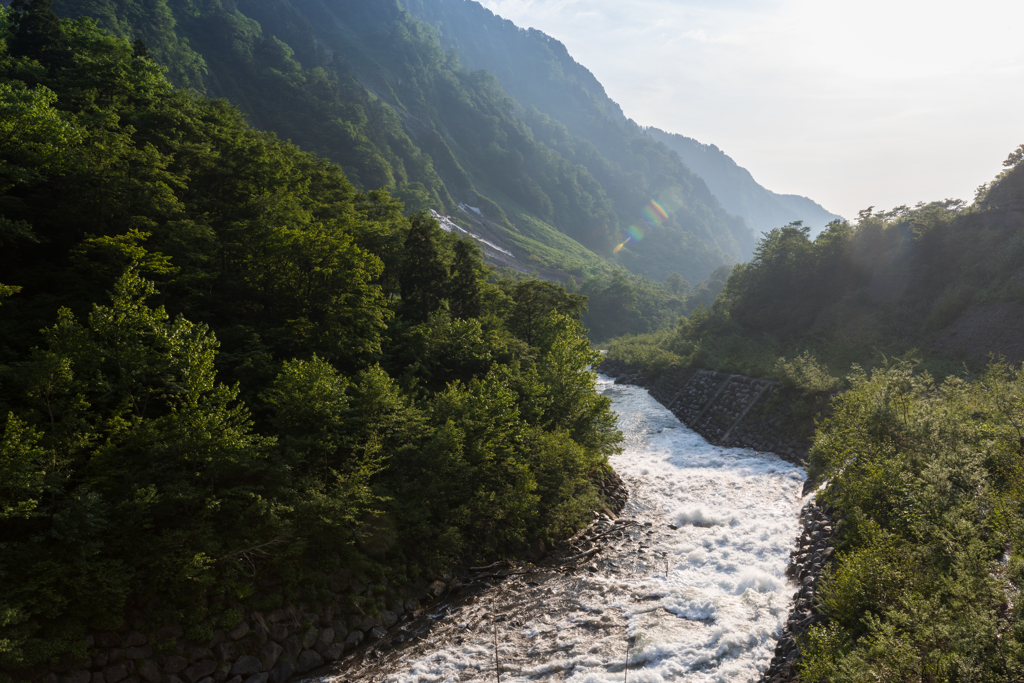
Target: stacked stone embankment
pixel 278 645
pixel 727 410
pixel 748 412
pixel 266 647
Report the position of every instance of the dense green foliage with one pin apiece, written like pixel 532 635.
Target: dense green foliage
pixel 928 483
pixel 250 375
pixel 857 293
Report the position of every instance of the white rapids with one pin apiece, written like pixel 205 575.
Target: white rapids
pixel 705 601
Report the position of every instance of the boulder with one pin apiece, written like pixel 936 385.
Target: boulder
pixel 258 678
pixel 309 638
pixel 270 653
pixel 334 652
pixel 278 632
pixel 174 664
pixel 239 632
pixel 149 671
pixel 199 670
pixel 325 638
pixel 115 672
pixel 246 665
pixel 282 672
pixel 134 639
pixel 292 647
pixel 309 660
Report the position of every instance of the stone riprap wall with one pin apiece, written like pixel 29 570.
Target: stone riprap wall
pixel 276 646
pixel 813 554
pixel 727 410
pixel 263 648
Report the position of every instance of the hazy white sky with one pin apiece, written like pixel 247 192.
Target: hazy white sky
pixel 853 103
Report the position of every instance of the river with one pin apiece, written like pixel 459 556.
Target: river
pixel 690 586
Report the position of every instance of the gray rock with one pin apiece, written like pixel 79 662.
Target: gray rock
pixel 97 677
pixel 139 652
pixel 310 617
pixel 334 652
pixel 50 678
pixel 368 622
pixel 282 672
pixel 195 654
pixel 149 671
pixel 278 632
pixel 388 618
pixel 411 605
pixel 258 678
pixel 340 629
pixel 236 679
pixel 208 679
pixel 292 647
pixel 276 616
pixel 115 672
pixel 80 676
pixel 353 639
pixel 247 664
pixel 378 632
pixel 436 589
pixel 101 659
pixel 325 638
pixel 134 639
pixel 200 670
pixel 115 654
pixel 172 679
pixel 239 631
pixel 225 652
pixel 174 664
pixel 270 653
pixel 309 637
pixel 223 672
pixel 397 606
pixel 218 638
pixel 309 660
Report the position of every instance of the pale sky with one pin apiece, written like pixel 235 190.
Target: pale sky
pixel 853 104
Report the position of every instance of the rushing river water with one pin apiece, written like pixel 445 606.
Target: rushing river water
pixel 695 591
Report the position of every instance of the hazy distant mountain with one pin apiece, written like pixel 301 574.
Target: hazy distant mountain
pixel 737 190
pixel 539 72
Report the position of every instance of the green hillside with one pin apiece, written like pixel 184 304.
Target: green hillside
pixel 375 90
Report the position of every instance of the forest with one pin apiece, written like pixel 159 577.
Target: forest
pixel 213 344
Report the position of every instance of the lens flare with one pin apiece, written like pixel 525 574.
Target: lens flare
pixel 619 248
pixel 635 233
pixel 654 214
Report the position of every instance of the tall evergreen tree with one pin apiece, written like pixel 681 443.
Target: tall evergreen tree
pixel 423 273
pixel 464 288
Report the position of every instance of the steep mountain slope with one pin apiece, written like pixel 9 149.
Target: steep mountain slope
pixel 737 190
pixel 372 88
pixel 570 111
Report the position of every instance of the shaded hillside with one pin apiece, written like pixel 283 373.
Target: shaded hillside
pixel 739 193
pixel 372 88
pixel 568 109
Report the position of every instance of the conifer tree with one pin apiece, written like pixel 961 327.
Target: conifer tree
pixel 423 273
